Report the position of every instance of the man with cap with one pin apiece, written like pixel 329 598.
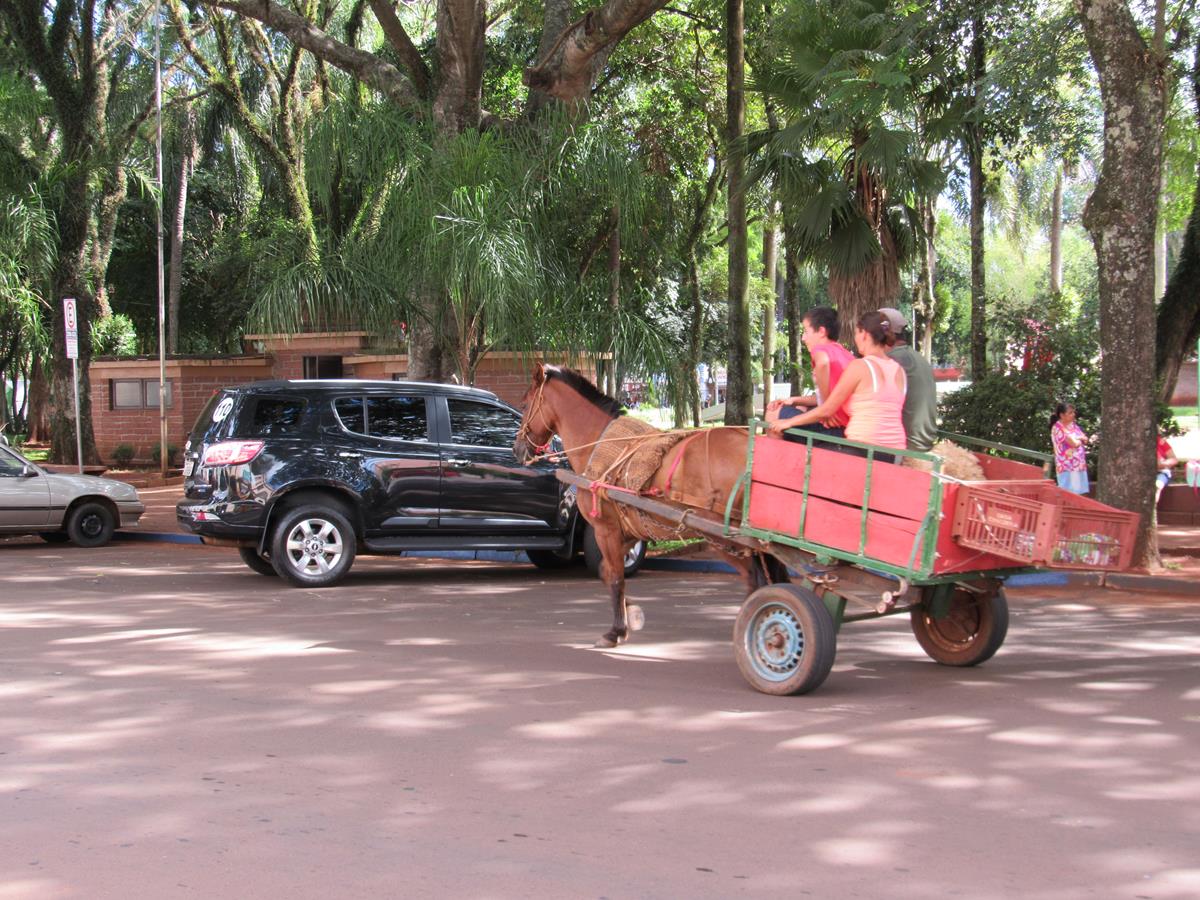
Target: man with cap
pixel 920 402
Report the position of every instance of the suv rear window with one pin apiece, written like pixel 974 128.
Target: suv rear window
pixel 211 421
pixel 269 417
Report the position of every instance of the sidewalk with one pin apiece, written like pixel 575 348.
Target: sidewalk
pixel 1179 547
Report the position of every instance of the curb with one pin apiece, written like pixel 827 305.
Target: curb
pixel 1146 583
pixel 161 537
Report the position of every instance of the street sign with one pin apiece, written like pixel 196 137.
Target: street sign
pixel 72 328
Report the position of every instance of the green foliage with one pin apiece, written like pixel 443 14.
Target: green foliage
pixel 172 454
pixel 122 455
pixel 1048 360
pixel 847 83
pixel 114 335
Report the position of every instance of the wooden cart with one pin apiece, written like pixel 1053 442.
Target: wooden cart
pixel 865 538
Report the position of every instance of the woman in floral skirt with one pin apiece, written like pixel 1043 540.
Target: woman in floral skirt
pixel 1070 457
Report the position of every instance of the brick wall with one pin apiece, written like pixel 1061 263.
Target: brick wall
pixel 193 382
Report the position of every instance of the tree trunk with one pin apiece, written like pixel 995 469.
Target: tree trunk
pixel 558 15
pixel 975 167
pixel 1056 230
pixel 1160 256
pixel 460 28
pixel 791 297
pixel 70 280
pixel 187 160
pixel 691 396
pixel 614 300
pixel 1179 312
pixel 924 302
pixel 739 392
pixel 1120 216
pixel 113 190
pixel 695 336
pixel 769 254
pixel 37 413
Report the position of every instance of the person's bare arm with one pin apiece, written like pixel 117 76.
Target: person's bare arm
pixel 845 387
pixel 821 374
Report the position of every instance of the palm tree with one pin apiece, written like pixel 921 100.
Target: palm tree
pixel 846 162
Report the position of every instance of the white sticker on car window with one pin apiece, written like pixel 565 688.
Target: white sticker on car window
pixel 222 409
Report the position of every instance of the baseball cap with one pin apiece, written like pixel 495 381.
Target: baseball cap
pixel 895 319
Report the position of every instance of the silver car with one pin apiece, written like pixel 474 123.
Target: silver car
pixel 83 509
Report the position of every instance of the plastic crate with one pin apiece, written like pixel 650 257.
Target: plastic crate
pixel 1041 524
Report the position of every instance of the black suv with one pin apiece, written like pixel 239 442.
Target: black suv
pixel 302 475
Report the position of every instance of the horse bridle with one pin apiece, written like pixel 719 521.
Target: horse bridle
pixel 523 432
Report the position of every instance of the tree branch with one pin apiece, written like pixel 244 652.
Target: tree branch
pixel 366 67
pixel 403 45
pixel 566 71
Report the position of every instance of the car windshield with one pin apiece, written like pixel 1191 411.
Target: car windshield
pixel 11 462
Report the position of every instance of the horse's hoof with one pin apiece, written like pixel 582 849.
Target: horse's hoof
pixel 635 618
pixel 604 643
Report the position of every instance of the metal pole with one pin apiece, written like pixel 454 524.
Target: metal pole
pixel 158 176
pixel 78 431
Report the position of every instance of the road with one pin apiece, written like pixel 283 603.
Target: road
pixel 173 725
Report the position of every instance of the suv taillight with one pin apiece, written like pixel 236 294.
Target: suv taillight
pixel 231 453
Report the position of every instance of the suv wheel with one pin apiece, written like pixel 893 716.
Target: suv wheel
pixel 634 556
pixel 313 546
pixel 259 564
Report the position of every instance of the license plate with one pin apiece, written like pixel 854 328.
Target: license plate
pixel 188 466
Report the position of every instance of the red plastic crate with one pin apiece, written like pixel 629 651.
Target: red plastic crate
pixel 1042 524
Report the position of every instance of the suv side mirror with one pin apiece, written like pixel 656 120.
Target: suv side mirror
pixel 28 472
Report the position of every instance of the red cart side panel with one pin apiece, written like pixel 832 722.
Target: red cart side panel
pixel 889 538
pixel 898 503
pixel 841 477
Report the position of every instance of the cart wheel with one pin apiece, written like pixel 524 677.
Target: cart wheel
pixel 970 633
pixel 784 640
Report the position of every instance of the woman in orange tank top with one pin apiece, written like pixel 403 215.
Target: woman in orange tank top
pixel 874 385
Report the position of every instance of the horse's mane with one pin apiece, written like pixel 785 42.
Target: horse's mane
pixel 579 383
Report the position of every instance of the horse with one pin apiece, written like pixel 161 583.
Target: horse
pixel 701 470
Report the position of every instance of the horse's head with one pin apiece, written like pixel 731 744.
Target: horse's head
pixel 537 419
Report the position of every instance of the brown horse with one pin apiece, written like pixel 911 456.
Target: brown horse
pixel 700 471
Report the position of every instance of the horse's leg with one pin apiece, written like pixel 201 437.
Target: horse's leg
pixel 612 572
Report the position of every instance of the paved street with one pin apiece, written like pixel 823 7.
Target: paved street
pixel 173 725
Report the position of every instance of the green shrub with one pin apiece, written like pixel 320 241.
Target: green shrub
pixel 1015 409
pixel 114 336
pixel 122 455
pixel 172 454
pixel 1050 359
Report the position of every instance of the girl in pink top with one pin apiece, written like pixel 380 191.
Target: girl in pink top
pixel 874 385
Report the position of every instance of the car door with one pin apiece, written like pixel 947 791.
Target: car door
pixel 388 438
pixel 24 498
pixel 484 489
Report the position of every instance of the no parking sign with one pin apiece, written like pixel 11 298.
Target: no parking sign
pixel 72 328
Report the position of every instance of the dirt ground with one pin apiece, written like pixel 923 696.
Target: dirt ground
pixel 172 725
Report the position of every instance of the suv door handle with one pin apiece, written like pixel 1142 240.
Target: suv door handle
pixel 351 455
pixel 458 463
